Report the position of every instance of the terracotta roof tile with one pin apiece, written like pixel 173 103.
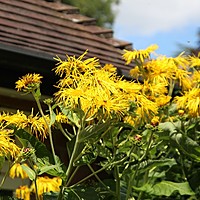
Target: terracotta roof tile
pixel 53 28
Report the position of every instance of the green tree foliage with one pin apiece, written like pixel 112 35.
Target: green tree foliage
pixel 101 10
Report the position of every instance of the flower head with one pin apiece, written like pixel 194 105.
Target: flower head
pixel 16 171
pixel 128 56
pixel 190 102
pixel 46 184
pixel 7 145
pixel 23 192
pixel 29 82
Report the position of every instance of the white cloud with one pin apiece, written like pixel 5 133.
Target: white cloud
pixel 148 17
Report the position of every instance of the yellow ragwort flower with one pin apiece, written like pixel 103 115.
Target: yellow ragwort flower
pixel 7 145
pixel 23 192
pixel 194 61
pixel 195 79
pixel 155 121
pixel 35 124
pixel 190 102
pixel 28 82
pixel 75 66
pixel 46 184
pixel 16 171
pixel 135 72
pixel 109 68
pixel 129 56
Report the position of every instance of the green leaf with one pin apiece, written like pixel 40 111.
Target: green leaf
pixel 53 118
pixel 43 155
pixel 166 188
pixel 46 169
pixel 153 164
pixel 85 159
pixel 44 166
pixel 26 138
pixel 31 174
pixel 187 146
pixel 93 132
pixel 74 115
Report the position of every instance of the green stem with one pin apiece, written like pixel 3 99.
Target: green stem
pixel 89 176
pixel 48 125
pixel 72 176
pixel 116 171
pixel 73 157
pixel 129 189
pixel 171 87
pixel 65 133
pixel 36 189
pixel 144 182
pixel 6 174
pixel 100 181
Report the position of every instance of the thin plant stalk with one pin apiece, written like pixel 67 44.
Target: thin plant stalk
pixel 48 125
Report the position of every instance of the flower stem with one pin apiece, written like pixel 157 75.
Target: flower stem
pixel 73 157
pixel 100 181
pixel 116 171
pixel 48 125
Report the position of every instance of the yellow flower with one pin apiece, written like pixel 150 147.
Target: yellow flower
pixel 196 78
pixel 23 192
pixel 184 79
pixel 162 100
pixel 181 112
pixel 129 56
pixel 190 102
pixel 46 184
pixel 130 120
pixel 109 68
pixel 16 171
pixel 145 109
pixel 75 66
pixel 28 82
pixel 7 145
pixel 194 61
pixel 36 124
pixel 155 121
pixel 152 89
pixel 158 71
pixel 61 118
pixel 135 72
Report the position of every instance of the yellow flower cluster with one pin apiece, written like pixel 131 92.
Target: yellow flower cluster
pixel 44 184
pixel 99 90
pixel 160 75
pixel 190 102
pixel 7 145
pixel 34 124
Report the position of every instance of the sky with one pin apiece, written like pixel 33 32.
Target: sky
pixel 171 24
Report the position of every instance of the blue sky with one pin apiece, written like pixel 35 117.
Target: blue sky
pixel 168 23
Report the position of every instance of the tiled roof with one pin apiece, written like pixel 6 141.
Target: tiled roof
pixel 52 28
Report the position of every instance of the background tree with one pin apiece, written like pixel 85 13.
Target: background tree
pixel 101 10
